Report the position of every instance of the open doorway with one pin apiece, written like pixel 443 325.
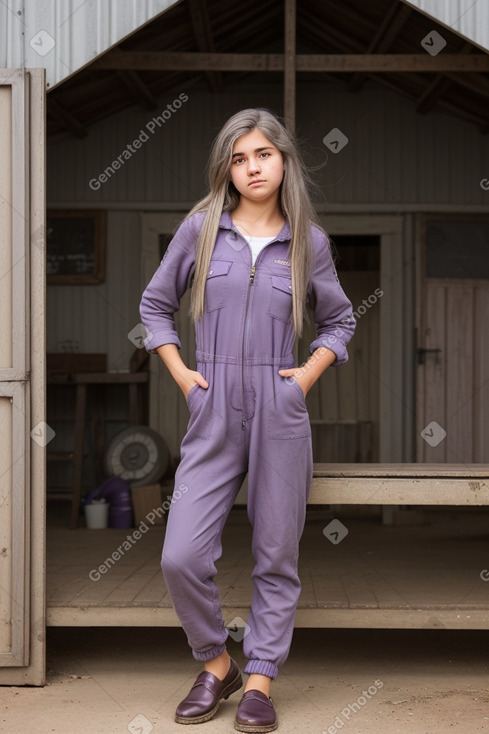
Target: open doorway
pixel 344 404
pixel 453 342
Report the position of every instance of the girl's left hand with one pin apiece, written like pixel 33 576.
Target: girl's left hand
pixel 299 377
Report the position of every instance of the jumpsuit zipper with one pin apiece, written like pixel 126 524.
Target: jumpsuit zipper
pixel 245 327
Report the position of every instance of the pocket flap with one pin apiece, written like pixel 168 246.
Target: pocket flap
pixel 219 267
pixel 283 284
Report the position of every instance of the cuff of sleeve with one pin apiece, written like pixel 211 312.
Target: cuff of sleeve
pixel 332 342
pixel 157 340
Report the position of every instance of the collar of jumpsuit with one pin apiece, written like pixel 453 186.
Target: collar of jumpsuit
pixel 248 309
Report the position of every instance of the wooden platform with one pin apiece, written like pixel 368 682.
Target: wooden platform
pixel 401 484
pixel 377 576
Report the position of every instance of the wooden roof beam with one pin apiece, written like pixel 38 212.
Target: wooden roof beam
pixel 438 87
pixel 432 93
pixel 70 122
pixel 203 35
pixel 383 39
pixel 133 82
pixel 475 82
pixel 290 64
pixel 339 63
pixel 387 81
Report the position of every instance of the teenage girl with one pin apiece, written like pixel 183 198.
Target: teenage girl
pixel 257 261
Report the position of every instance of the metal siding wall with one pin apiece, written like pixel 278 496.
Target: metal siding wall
pixel 466 17
pixel 81 31
pixel 394 155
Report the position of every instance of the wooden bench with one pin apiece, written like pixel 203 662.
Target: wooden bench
pixel 400 484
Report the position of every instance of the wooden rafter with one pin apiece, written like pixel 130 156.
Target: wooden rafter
pixel 432 93
pixel 441 83
pixel 339 63
pixel 383 38
pixel 203 36
pixel 69 120
pixel 474 82
pixel 134 84
pixel 349 46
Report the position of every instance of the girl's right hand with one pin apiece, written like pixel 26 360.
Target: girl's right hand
pixel 188 379
pixel 183 376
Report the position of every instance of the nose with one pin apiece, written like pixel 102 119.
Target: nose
pixel 253 166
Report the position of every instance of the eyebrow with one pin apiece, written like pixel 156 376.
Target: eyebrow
pixel 257 150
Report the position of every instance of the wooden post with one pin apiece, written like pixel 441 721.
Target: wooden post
pixel 289 64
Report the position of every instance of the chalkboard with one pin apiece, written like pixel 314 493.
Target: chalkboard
pixel 76 243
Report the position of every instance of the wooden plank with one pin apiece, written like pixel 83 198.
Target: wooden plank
pixel 433 618
pixel 440 471
pixel 15 366
pixel 365 581
pixel 289 64
pixel 460 354
pixel 81 399
pixel 347 63
pixel 434 371
pixel 202 30
pixel 481 373
pixel 400 491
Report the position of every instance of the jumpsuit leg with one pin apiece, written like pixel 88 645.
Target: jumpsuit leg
pixel 209 476
pixel 279 480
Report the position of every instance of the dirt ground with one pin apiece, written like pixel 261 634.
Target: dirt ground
pixel 119 680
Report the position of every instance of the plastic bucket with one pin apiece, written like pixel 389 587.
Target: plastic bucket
pixel 97 515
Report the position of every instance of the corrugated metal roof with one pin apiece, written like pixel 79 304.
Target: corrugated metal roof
pixel 332 26
pixel 469 18
pixel 63 36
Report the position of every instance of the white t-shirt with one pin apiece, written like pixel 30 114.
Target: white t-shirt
pixel 257 244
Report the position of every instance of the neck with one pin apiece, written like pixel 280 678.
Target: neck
pixel 265 214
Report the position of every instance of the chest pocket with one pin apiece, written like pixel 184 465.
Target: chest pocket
pixel 280 306
pixel 216 284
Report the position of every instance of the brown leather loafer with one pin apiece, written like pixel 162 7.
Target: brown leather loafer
pixel 255 713
pixel 203 699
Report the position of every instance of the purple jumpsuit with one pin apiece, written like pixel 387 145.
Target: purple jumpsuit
pixel 249 420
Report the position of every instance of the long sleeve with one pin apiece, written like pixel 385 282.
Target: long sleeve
pixel 161 298
pixel 333 315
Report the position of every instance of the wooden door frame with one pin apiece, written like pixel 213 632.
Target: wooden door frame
pixel 396 409
pixel 32 192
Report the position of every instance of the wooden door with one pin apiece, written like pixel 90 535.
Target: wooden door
pixel 23 433
pixel 453 339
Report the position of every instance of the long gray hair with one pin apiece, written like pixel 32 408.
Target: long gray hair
pixel 294 202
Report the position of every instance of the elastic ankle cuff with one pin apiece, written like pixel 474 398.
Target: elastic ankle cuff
pixel 263 667
pixel 209 654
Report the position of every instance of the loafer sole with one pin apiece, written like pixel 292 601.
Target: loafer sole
pixel 254 729
pixel 234 686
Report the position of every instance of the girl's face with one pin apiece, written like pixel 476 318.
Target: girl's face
pixel 257 167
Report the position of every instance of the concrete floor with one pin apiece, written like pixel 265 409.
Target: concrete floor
pixel 119 680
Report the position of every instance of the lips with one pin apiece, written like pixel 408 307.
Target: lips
pixel 256 181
